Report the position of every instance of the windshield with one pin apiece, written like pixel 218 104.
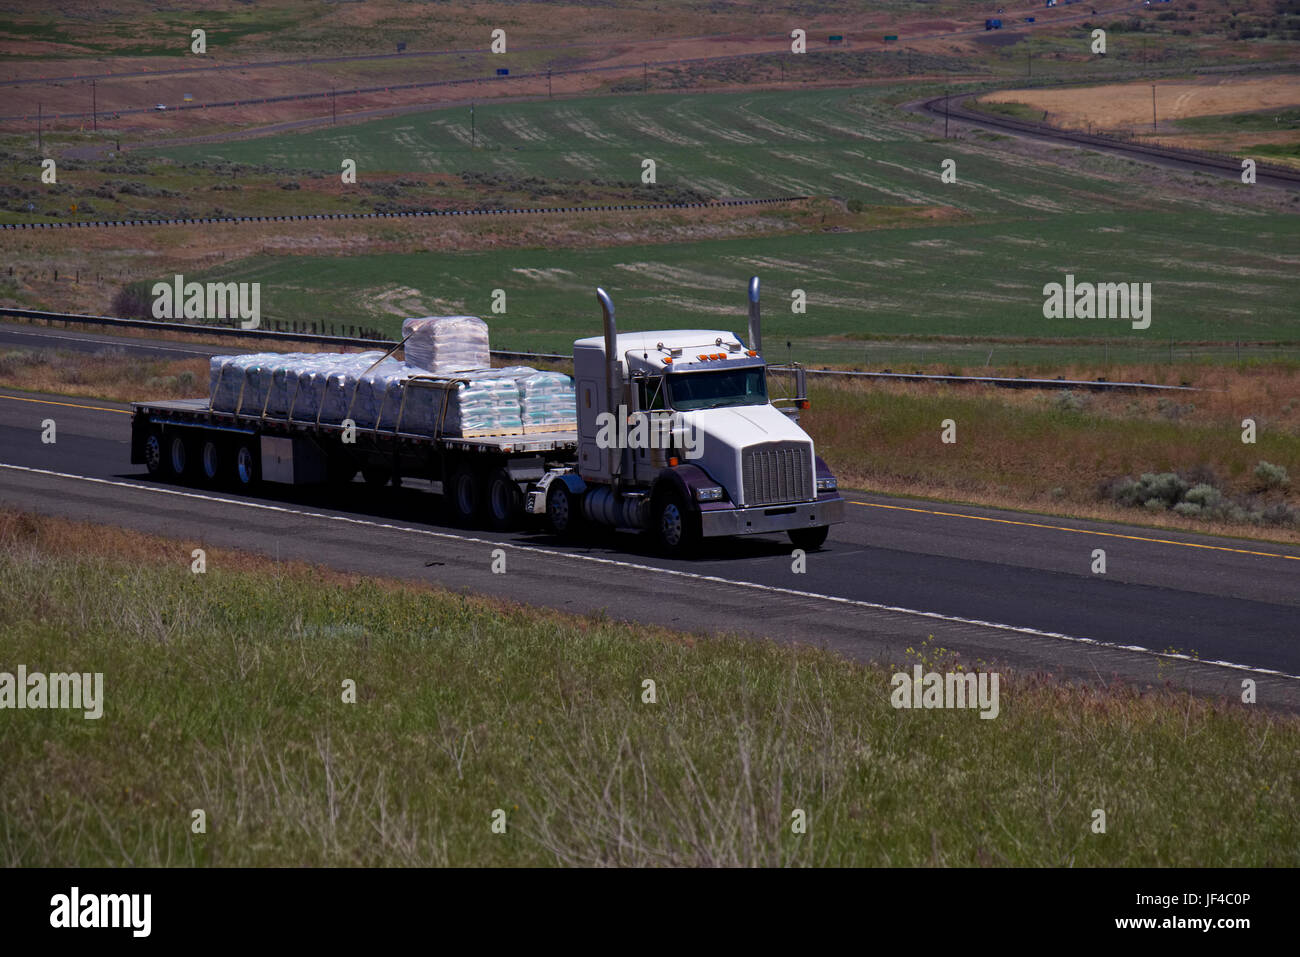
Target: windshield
pixel 689 391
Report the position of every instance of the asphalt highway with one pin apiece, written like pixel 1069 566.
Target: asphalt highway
pixel 1007 588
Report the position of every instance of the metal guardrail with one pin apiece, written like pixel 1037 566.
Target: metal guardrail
pixel 793 369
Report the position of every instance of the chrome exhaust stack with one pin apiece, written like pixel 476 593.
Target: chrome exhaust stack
pixel 755 330
pixel 613 377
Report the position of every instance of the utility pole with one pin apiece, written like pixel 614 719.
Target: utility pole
pixel 94 105
pixel 645 76
pixel 39 120
pixel 945 113
pixel 334 105
pixel 473 133
pixel 1153 107
pixel 548 83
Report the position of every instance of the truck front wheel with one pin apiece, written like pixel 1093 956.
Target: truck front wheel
pixel 809 539
pixel 676 529
pixel 563 510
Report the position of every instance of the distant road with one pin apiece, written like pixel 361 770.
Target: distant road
pixel 1171 157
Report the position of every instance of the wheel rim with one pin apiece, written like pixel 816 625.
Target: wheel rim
pixel 211 460
pixel 244 465
pixel 670 524
pixel 178 456
pixel 465 494
pixel 153 453
pixel 501 500
pixel 559 508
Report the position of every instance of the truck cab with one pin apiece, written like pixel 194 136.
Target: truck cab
pixel 678 436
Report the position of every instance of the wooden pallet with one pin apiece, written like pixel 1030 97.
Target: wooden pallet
pixel 482 433
pixel 559 427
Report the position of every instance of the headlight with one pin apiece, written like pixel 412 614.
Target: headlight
pixel 826 484
pixel 712 493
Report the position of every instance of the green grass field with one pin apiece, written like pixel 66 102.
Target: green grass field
pixel 1010 224
pixel 223 692
pixel 849 143
pixel 1220 278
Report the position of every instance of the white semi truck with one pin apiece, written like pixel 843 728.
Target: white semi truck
pixel 676 436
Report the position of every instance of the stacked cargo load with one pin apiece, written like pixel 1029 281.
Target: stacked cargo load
pixel 547 401
pixel 376 392
pixel 445 344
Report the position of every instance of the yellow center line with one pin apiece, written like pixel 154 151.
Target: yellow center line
pixel 70 405
pixel 1081 531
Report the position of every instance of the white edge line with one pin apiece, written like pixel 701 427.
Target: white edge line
pixel 857 603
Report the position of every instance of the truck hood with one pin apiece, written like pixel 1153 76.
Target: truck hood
pixel 724 433
pixel 739 426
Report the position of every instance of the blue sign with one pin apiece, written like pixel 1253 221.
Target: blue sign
pixel 501 72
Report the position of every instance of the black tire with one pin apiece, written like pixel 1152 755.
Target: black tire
pixel 246 464
pixel 464 496
pixel 503 502
pixel 673 526
pixel 564 511
pixel 377 476
pixel 154 453
pixel 809 539
pixel 212 460
pixel 340 470
pixel 179 456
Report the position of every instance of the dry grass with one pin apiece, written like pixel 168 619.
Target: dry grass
pixel 222 693
pixel 1057 453
pixel 1117 106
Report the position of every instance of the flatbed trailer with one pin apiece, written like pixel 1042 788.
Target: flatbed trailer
pixel 482 478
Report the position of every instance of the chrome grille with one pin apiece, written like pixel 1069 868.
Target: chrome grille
pixel 777 472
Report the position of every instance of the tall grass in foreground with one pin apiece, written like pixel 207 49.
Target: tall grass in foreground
pixel 224 693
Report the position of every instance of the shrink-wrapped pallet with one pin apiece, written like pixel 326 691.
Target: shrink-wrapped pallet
pixel 547 399
pixel 240 383
pixel 445 344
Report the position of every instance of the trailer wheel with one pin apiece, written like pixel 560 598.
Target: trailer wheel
pixel 464 496
pixel 505 503
pixel 212 461
pixel 375 476
pixel 340 470
pixel 178 456
pixel 153 452
pixel 563 510
pixel 809 539
pixel 676 529
pixel 247 468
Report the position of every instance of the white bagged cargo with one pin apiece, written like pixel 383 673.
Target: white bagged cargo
pixel 444 344
pixel 547 400
pixel 240 383
pixel 383 393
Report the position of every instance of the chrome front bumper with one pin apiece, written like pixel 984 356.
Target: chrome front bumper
pixel 771 518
